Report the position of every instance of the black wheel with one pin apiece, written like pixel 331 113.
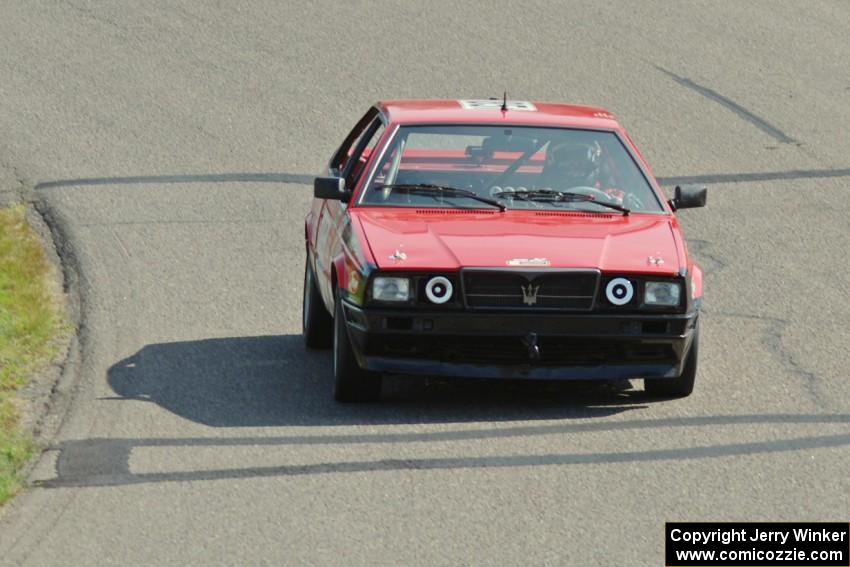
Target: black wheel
pixel 683 385
pixel 316 322
pixel 351 383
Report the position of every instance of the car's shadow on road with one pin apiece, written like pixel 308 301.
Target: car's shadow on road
pixel 275 381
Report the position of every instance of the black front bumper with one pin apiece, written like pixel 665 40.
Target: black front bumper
pixel 502 344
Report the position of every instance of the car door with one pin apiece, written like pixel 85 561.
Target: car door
pixel 348 162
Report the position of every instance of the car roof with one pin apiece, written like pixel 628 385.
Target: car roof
pixel 488 111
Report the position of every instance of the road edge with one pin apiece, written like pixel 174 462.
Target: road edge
pixel 52 228
pixel 49 395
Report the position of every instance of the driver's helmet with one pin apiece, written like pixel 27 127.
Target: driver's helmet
pixel 572 164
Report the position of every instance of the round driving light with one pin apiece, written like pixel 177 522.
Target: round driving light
pixel 439 290
pixel 619 291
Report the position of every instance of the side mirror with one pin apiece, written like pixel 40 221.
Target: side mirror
pixel 688 197
pixel 330 188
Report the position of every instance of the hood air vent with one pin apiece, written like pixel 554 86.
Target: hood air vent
pixel 453 212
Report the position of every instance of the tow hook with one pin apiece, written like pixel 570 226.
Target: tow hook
pixel 530 341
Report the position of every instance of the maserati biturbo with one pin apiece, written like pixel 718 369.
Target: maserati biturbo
pixel 498 239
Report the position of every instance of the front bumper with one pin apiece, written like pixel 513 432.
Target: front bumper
pixel 520 345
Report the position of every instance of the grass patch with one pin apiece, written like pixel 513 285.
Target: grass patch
pixel 30 317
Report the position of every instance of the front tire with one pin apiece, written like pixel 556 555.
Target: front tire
pixel 683 385
pixel 351 383
pixel 316 322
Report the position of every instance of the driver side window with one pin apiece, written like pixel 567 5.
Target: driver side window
pixel 350 159
pixel 343 153
pixel 363 151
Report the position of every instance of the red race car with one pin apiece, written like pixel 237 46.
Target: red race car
pixel 498 239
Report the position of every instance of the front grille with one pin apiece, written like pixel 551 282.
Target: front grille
pixel 554 351
pixel 571 290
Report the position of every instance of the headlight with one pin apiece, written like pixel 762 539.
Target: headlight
pixel 390 289
pixel 439 290
pixel 662 293
pixel 619 291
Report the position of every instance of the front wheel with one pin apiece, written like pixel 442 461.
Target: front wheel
pixel 351 383
pixel 683 385
pixel 316 322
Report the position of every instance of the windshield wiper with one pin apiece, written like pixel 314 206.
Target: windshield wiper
pixel 549 195
pixel 443 190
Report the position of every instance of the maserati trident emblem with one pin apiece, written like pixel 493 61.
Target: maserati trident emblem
pixel 528 262
pixel 529 294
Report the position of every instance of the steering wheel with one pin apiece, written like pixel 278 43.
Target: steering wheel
pixel 591 191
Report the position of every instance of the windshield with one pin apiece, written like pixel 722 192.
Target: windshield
pixel 519 167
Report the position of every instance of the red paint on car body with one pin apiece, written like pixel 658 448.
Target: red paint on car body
pixel 443 239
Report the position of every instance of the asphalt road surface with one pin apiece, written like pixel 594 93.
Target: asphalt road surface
pixel 176 145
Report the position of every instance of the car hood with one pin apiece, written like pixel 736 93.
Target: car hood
pixel 447 239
